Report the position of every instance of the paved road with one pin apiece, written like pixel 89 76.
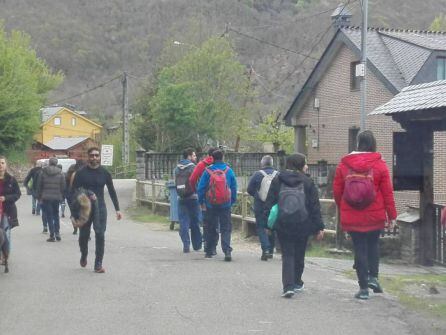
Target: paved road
pixel 152 288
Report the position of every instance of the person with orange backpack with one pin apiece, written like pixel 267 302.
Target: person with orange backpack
pixel 217 192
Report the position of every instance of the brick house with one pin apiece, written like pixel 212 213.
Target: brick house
pixel 326 112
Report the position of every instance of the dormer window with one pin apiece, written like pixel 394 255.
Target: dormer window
pixel 57 121
pixel 441 68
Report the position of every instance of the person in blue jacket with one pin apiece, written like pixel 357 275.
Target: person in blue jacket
pixel 218 203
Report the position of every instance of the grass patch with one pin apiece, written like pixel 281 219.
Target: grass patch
pixel 414 292
pixel 142 214
pixel 316 249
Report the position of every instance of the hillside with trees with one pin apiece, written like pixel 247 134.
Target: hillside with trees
pixel 277 41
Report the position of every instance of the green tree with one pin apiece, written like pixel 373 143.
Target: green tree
pixel 272 130
pixel 201 97
pixel 439 23
pixel 24 81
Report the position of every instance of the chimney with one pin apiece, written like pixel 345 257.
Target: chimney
pixel 341 16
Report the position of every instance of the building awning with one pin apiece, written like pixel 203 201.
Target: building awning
pixel 64 143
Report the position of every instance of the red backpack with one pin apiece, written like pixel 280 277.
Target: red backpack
pixel 218 192
pixel 359 189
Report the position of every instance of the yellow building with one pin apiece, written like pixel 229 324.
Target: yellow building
pixel 62 122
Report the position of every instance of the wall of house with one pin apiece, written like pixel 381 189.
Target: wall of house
pixel 340 110
pixel 66 128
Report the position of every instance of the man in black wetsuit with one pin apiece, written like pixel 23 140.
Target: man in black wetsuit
pixel 94 177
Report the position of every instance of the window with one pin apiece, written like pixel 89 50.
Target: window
pixel 353 139
pixel 441 68
pixel 73 121
pixel 57 121
pixel 355 82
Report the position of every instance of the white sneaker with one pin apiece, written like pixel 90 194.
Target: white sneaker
pixel 288 293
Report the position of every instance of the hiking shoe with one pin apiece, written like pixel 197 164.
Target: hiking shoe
pixel 83 261
pixel 99 269
pixel 45 231
pixel 298 287
pixel 207 255
pixel 288 293
pixel 228 257
pixel 373 283
pixel 270 255
pixel 58 238
pixel 51 239
pixel 264 256
pixel 362 294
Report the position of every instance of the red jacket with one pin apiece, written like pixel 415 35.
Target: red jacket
pixel 198 171
pixel 375 215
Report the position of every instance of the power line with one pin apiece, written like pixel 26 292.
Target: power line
pixel 270 44
pixel 87 91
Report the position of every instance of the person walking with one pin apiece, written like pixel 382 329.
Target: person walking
pixel 364 194
pixel 93 177
pixel 194 179
pixel 63 203
pixel 188 209
pixel 217 192
pixel 9 194
pixel 30 184
pixel 50 191
pixel 258 187
pixel 299 217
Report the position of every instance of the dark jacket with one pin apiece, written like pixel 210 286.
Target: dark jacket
pixel 11 192
pixel 292 178
pixel 372 217
pixel 33 175
pixel 51 184
pixel 254 187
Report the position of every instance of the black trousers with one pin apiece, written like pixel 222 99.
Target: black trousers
pixel 366 248
pixel 293 260
pixel 99 223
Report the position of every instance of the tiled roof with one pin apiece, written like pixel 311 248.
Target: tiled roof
pixel 64 143
pixel 48 112
pixel 398 54
pixel 416 97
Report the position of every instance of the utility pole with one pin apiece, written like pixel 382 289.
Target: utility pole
pixel 125 120
pixel 364 62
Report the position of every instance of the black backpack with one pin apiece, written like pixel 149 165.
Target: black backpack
pixel 292 208
pixel 184 189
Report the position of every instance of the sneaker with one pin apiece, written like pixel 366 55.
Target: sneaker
pixel 288 293
pixel 83 261
pixel 264 256
pixel 51 239
pixel 207 255
pixel 58 238
pixel 99 270
pixel 373 283
pixel 228 257
pixel 299 287
pixel 34 211
pixel 270 255
pixel 45 230
pixel 362 294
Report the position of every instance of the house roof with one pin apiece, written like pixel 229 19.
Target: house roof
pixel 48 112
pixel 416 97
pixel 64 143
pixel 394 56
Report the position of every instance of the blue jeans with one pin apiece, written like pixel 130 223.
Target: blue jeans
pixel 51 211
pixel 266 241
pixel 189 217
pixel 5 225
pixel 219 217
pixel 35 204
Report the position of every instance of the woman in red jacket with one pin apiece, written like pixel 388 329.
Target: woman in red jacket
pixel 364 193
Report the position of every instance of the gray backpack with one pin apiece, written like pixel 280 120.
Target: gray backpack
pixel 265 184
pixel 292 208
